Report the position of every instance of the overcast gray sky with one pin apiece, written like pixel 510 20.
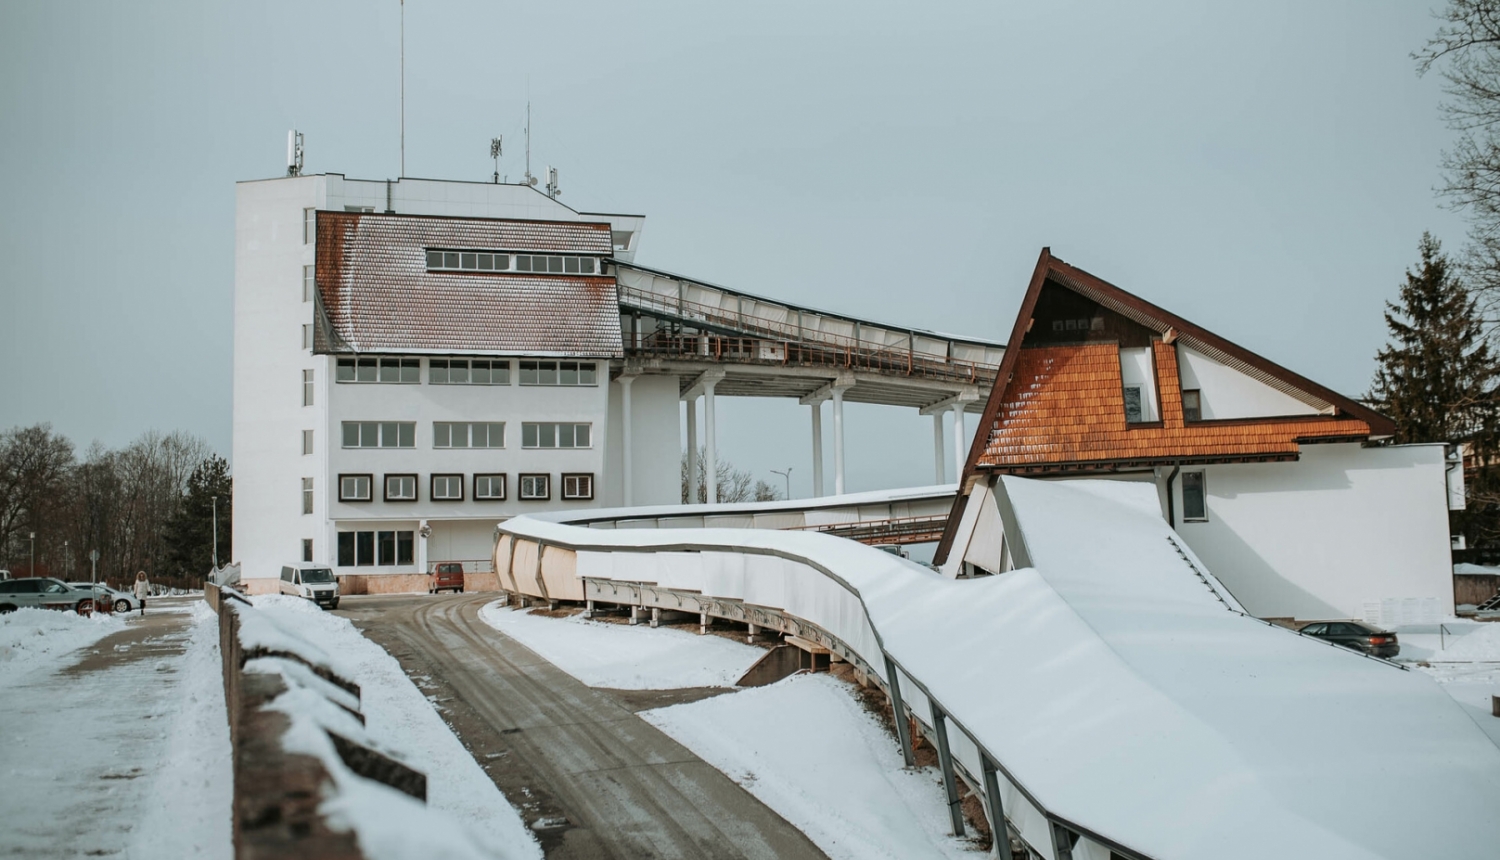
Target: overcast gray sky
pixel 1264 169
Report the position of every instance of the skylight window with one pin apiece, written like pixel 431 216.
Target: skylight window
pixel 443 260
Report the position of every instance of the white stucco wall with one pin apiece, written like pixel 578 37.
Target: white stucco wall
pixel 1227 393
pixel 1319 537
pixel 656 443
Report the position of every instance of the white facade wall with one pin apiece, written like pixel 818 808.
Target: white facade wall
pixel 656 443
pixel 1321 537
pixel 1227 393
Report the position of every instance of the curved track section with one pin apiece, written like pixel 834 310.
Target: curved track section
pixel 1109 700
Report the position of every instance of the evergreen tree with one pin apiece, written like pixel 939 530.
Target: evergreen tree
pixel 190 532
pixel 1437 380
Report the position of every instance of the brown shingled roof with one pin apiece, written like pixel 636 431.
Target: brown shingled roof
pixel 376 295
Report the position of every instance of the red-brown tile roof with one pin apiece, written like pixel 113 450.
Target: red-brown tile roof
pixel 1065 408
pixel 376 295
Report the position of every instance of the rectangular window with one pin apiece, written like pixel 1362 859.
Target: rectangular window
pixel 400 488
pixel 447 488
pixel 385 544
pixel 380 434
pixel 307 388
pixel 406 371
pixel 307 336
pixel 536 487
pixel 465 434
pixel 469 261
pixel 371 548
pixel 307 442
pixel 307 495
pixel 464 371
pixel 309 283
pixel 404 547
pixel 346 549
pixel 489 488
pixel 364 549
pixel 354 488
pixel 1194 497
pixel 307 549
pixel 1133 404
pixel 548 435
pixel 577 486
pixel 1192 405
pixel 309 226
pixel 570 373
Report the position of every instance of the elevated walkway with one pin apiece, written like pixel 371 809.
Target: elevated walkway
pixel 1110 699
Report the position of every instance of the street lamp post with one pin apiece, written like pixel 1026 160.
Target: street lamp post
pixel 67 562
pixel 32 536
pixel 788 475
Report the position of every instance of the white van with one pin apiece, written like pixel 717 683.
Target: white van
pixel 317 584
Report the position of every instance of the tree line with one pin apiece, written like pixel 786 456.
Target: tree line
pixel 148 506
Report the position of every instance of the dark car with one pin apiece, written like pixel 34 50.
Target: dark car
pixel 1360 637
pixel 447 575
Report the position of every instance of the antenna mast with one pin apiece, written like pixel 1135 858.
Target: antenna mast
pixel 294 153
pixel 530 180
pixel 495 147
pixel 403 87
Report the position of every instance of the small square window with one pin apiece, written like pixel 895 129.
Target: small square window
pixel 570 265
pixel 578 486
pixel 555 265
pixel 468 261
pixel 1194 497
pixel 400 488
pixel 437 371
pixel 486 262
pixel 447 488
pixel 1192 404
pixel 536 487
pixel 502 262
pixel 434 259
pixel 367 370
pixel 586 265
pixel 450 259
pixel 523 263
pixel 354 488
pixel 489 488
pixel 411 370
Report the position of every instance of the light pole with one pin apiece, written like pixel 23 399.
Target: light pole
pixel 32 572
pixel 216 533
pixel 67 562
pixel 788 475
pixel 94 567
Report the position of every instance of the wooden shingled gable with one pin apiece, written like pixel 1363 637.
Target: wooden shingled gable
pixel 1058 402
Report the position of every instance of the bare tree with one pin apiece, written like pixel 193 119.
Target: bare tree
pixel 732 485
pixel 34 467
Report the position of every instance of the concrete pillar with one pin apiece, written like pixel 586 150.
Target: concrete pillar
pixel 656 616
pixel 959 451
pixel 711 456
pixel 838 441
pixel 423 530
pixel 627 473
pixel 817 440
pixel 692 449
pixel 937 446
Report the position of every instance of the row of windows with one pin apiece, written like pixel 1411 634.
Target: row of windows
pixel 443 260
pixel 491 487
pixel 461 371
pixel 1192 404
pixel 460 434
pixel 371 548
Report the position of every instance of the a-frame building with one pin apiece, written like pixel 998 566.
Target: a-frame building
pixel 1285 488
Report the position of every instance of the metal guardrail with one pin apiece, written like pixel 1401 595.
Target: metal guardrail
pixel 897 530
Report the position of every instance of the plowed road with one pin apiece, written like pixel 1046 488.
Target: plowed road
pixel 592 778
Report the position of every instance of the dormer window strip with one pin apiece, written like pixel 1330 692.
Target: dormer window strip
pixel 458 260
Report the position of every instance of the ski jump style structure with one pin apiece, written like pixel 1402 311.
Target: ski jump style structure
pixel 1107 697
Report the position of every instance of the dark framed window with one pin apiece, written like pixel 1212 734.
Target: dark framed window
pixel 536 488
pixel 447 488
pixel 489 488
pixel 1192 404
pixel 380 434
pixel 1133 411
pixel 466 371
pixel 307 549
pixel 375 548
pixel 400 488
pixel 389 370
pixel 364 549
pixel 550 435
pixel 1194 497
pixel 355 488
pixel 566 373
pixel 578 486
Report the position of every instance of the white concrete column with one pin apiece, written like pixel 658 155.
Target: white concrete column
pixel 692 449
pixel 627 473
pixel 711 456
pixel 838 441
pixel 817 440
pixel 937 445
pixel 423 529
pixel 959 451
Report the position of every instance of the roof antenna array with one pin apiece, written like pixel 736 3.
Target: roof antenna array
pixel 552 189
pixel 496 145
pixel 529 180
pixel 294 153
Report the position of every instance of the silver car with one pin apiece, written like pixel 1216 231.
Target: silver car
pixel 121 601
pixel 44 593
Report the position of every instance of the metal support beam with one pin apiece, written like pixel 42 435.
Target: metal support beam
pixel 817 451
pixel 711 456
pixel 627 460
pixel 959 450
pixel 838 441
pixel 999 827
pixel 692 450
pixel 898 712
pixel 945 761
pixel 1062 841
pixel 937 447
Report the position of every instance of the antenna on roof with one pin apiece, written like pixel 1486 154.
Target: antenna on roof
pixel 552 189
pixel 495 148
pixel 294 153
pixel 530 180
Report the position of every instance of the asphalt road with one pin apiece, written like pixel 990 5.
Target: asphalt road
pixel 592 779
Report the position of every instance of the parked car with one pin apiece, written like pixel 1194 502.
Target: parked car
pixel 120 601
pixel 446 575
pixel 1353 634
pixel 317 584
pixel 44 593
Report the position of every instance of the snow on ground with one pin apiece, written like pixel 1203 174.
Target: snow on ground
pixel 401 718
pixel 832 771
pixel 30 638
pixel 626 658
pixel 1464 657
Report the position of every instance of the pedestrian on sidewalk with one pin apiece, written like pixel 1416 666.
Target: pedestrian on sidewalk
pixel 142 588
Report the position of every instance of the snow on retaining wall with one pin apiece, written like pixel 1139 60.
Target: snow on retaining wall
pixel 1115 690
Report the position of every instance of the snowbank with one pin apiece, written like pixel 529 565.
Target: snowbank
pixel 623 657
pixel 833 771
pixel 35 637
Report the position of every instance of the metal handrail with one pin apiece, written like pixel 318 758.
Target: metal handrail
pixel 751 350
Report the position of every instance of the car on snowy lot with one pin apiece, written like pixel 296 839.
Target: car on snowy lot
pixel 317 584
pixel 446 576
pixel 1357 636
pixel 44 593
pixel 120 601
